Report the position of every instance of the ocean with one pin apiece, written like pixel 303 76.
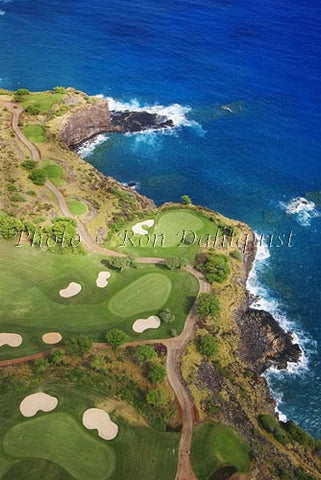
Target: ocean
pixel 250 160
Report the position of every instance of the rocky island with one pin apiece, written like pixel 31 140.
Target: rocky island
pixel 186 387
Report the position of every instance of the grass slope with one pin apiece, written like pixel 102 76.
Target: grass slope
pixel 54 172
pixel 215 445
pixel 35 133
pixel 30 303
pixel 43 100
pixel 76 207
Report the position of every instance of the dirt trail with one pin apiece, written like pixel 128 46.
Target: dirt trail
pixel 175 346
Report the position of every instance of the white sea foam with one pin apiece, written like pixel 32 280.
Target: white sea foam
pixel 2 12
pixel 175 112
pixel 303 210
pixel 89 146
pixel 264 300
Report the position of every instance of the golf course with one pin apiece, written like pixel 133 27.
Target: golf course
pixel 165 237
pixel 57 445
pixel 31 305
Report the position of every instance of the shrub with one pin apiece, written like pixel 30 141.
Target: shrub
pixel 186 199
pixel 155 397
pixel 119 263
pixel 33 109
pixel 29 164
pixel 175 263
pixel 237 255
pixel 17 197
pixel 98 364
pixel 208 345
pixel 145 352
pixel 208 306
pixel 299 435
pixel 22 91
pixel 166 316
pixel 271 425
pixel 58 356
pixel 12 188
pixel 38 176
pixel 215 268
pixel 59 89
pixel 79 345
pixel 40 365
pixel 9 226
pixel 156 372
pixel 117 337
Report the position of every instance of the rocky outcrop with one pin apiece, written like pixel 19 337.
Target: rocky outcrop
pixel 264 342
pixel 84 123
pixel 127 122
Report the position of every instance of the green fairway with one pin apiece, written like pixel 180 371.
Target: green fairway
pixel 56 446
pixel 76 207
pixel 44 101
pixel 54 172
pixel 215 445
pixel 31 304
pixel 170 224
pixel 149 292
pixel 35 133
pixel 58 437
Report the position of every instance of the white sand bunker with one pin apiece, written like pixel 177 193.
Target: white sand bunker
pixel 70 291
pixel 102 279
pixel 97 419
pixel 11 339
pixel 37 401
pixel 51 338
pixel 138 228
pixel 143 324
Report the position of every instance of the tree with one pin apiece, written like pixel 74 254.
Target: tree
pixel 175 263
pixel 208 305
pixel 155 397
pixel 38 176
pixel 186 199
pixel 156 372
pixel 117 337
pixel 79 345
pixel 208 345
pixel 145 352
pixel 98 364
pixel 29 164
pixel 166 316
pixel 22 91
pixel 9 226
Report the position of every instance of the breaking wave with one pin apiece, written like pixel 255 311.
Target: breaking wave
pixel 89 146
pixel 303 209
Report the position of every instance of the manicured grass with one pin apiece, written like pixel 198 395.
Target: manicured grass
pixel 215 445
pixel 76 207
pixel 56 446
pixel 148 292
pixel 59 438
pixel 35 133
pixel 54 172
pixel 31 305
pixel 44 100
pixel 171 224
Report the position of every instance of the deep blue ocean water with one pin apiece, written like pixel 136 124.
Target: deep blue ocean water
pixel 263 60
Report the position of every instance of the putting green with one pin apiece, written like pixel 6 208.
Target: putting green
pixel 76 207
pixel 172 224
pixel 58 437
pixel 148 292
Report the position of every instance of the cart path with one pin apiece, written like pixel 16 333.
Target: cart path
pixel 175 346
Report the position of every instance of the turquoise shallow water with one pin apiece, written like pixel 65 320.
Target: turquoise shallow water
pixel 263 60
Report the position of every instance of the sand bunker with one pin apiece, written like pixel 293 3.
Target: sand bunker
pixel 102 279
pixel 97 419
pixel 70 291
pixel 11 339
pixel 51 338
pixel 143 324
pixel 37 401
pixel 138 227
